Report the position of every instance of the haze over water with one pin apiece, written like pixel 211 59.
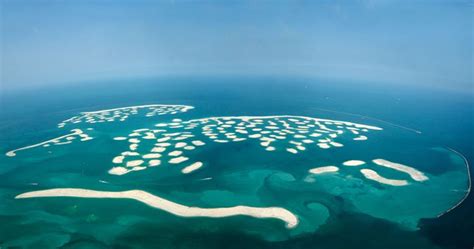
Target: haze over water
pixel 355 132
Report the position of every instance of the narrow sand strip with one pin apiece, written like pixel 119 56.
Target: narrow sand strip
pixel 414 173
pixel 168 206
pixel 192 167
pixel 12 153
pixel 353 163
pixel 177 160
pixel 360 138
pixel 324 169
pixel 374 176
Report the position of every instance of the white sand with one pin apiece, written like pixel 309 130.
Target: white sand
pixel 134 163
pixel 270 148
pixel 133 147
pixel 118 159
pixel 323 169
pixel 360 138
pixel 335 144
pixel 163 144
pixel 265 144
pixel 324 146
pixel 120 138
pixel 353 163
pixel 151 156
pixel 175 153
pixel 189 147
pixel 178 160
pixel 198 142
pixel 171 207
pixel 163 139
pixel 154 162
pixel 291 150
pixel 130 153
pixel 118 171
pixel 372 175
pixel 158 149
pixel 301 147
pixel 134 140
pixel 192 167
pixel 180 145
pixel 138 168
pixel 221 141
pixel 414 173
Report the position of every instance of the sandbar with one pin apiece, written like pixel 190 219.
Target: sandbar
pixel 192 167
pixel 353 163
pixel 414 173
pixel 324 169
pixel 171 207
pixel 177 160
pixel 372 175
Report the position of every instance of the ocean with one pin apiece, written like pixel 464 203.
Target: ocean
pixel 428 129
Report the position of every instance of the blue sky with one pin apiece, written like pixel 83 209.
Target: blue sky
pixel 408 42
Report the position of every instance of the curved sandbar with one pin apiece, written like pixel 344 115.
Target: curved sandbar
pixel 414 173
pixel 75 132
pixel 374 176
pixel 469 181
pixel 171 207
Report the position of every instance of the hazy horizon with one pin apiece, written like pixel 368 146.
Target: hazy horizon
pixel 56 42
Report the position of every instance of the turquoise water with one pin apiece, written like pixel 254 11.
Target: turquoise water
pixel 365 213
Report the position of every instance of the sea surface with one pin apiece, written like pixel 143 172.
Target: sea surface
pixel 428 129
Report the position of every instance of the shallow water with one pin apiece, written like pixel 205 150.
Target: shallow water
pixel 242 173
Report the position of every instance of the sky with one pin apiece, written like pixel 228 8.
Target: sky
pixel 407 42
